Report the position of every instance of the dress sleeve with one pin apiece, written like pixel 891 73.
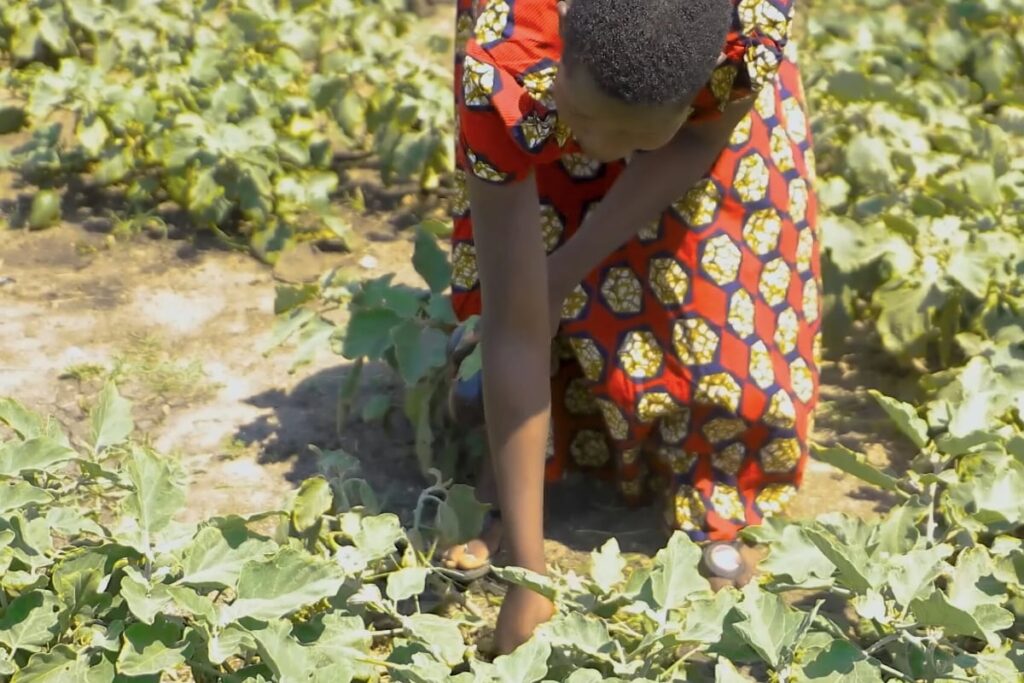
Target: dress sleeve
pixel 751 57
pixel 506 112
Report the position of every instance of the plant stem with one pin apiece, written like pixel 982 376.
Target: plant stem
pixel 930 527
pixel 882 643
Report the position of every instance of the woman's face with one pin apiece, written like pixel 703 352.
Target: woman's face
pixel 608 129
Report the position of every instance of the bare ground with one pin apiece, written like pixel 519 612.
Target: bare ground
pixel 188 328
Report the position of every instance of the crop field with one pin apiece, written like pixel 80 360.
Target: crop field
pixel 224 455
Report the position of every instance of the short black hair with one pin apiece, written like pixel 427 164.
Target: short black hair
pixel 646 51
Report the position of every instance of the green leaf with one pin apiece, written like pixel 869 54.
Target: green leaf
pixel 674 576
pixel 286 657
pixel 796 557
pixel 369 333
pixel 705 617
pixel 767 625
pixel 856 464
pixel 937 611
pixel 27 424
pixel 726 672
pixel 228 642
pixel 378 535
pixel 407 582
pixel 461 515
pixel 607 565
pixel 282 583
pixel 418 349
pixel 38 454
pixel 440 635
pixel 526 664
pixel 151 649
pixel 198 606
pixel 376 408
pixel 31 621
pixel 850 562
pixel 914 572
pixel 158 493
pixel 145 599
pixel 538 583
pixel 897 532
pixel 314 499
pixel 842 662
pixel 93 134
pixel 905 417
pixel 585 633
pixel 59 665
pixel 430 262
pixel 111 419
pixel 19 494
pixel 287 297
pixel 77 577
pixel 216 555
pixel 869 159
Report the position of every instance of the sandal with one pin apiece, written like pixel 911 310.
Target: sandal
pixel 724 563
pixel 466 396
pixel 468 576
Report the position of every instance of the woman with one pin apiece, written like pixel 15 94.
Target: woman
pixel 637 185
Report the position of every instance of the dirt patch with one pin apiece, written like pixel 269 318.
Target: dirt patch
pixel 188 329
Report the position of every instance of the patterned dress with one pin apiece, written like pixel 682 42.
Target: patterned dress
pixel 688 359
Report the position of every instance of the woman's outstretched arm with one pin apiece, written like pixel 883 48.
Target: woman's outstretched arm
pixel 516 356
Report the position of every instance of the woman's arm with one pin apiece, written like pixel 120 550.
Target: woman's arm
pixel 516 356
pixel 651 182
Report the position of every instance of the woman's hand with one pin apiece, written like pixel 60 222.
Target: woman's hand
pixel 521 613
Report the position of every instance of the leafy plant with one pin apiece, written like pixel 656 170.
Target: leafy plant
pixel 404 327
pixel 102 582
pixel 918 137
pixel 234 111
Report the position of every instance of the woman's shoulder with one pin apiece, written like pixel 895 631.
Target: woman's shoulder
pixel 511 34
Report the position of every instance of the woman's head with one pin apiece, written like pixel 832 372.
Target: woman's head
pixel 630 69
